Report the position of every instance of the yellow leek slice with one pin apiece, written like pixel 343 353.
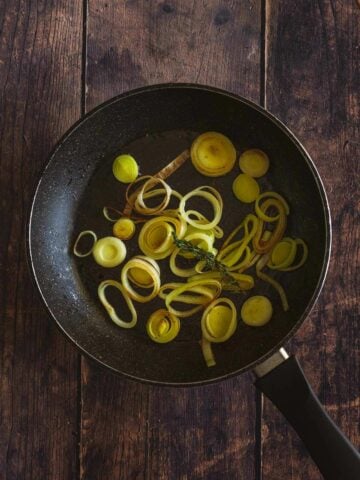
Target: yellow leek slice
pixel 244 282
pixel 140 264
pixel 80 236
pixel 157 178
pixel 180 272
pixel 110 309
pixel 283 254
pixel 109 212
pixel 199 295
pixel 208 290
pixel 162 326
pixel 213 154
pixel 139 276
pixel 217 231
pixel 219 321
pixel 301 262
pixel 261 211
pixel 235 255
pixel 245 188
pixel 156 236
pixel 170 212
pixel 203 239
pixel 213 197
pixel 109 252
pixel 218 324
pixel 140 205
pixel 125 168
pixel 264 246
pixel 124 228
pixel 207 352
pixel 255 257
pixel 136 199
pixel 249 225
pixel 256 311
pixel 254 162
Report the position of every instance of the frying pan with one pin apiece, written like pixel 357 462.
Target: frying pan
pixel 155 124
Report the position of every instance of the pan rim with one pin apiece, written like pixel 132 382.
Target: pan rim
pixel 279 124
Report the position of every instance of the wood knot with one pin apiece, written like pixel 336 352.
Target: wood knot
pixel 223 16
pixel 167 8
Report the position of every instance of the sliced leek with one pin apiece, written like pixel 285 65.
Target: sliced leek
pixel 107 212
pixel 265 246
pixel 256 311
pixel 205 291
pixel 242 281
pixel 139 276
pixel 237 255
pixel 284 254
pixel 111 310
pixel 162 326
pixel 207 352
pixel 178 271
pixel 254 162
pixel 156 236
pixel 124 228
pixel 213 154
pixel 125 168
pixel 261 213
pixel 245 188
pixel 301 262
pixel 213 197
pixel 76 244
pixel 248 225
pixel 146 275
pixel 137 198
pixel 109 252
pixel 218 324
pixel 219 321
pixel 216 231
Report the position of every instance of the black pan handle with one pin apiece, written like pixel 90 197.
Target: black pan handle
pixel 286 386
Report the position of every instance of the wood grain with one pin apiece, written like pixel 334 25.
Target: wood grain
pixel 40 71
pixel 312 84
pixel 157 433
pixel 203 433
pixel 133 43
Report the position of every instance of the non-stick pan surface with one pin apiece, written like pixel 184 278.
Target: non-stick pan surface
pixel 155 124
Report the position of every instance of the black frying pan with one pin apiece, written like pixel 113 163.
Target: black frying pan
pixel 155 124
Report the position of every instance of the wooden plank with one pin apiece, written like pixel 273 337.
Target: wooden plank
pixel 203 433
pixel 133 43
pixel 40 71
pixel 312 84
pixel 159 433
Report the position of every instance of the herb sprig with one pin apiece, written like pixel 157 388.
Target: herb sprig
pixel 211 263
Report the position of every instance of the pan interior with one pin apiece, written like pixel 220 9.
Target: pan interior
pixel 155 125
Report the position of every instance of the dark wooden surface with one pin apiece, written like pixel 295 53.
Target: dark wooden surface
pixel 60 416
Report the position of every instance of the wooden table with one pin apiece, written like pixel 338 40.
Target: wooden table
pixel 61 416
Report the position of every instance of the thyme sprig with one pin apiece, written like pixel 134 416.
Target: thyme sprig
pixel 211 263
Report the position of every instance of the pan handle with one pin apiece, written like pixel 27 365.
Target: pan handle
pixel 282 380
